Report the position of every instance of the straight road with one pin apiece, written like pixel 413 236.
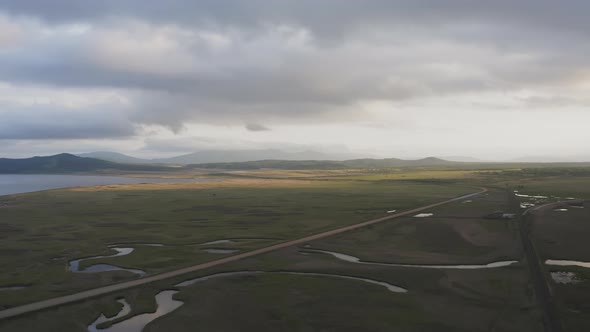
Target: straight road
pixel 551 320
pixel 45 304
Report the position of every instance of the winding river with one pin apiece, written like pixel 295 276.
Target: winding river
pixel 74 266
pixel 357 260
pixel 166 304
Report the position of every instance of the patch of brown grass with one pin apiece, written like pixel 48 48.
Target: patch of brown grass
pixel 228 183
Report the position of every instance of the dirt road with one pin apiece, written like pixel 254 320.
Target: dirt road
pixel 45 304
pixel 551 320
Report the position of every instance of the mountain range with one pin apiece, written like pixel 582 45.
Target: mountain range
pixel 222 156
pixel 68 163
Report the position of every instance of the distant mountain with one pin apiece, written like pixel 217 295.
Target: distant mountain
pixel 65 163
pixel 114 157
pixel 325 164
pixel 463 159
pixel 551 159
pixel 231 156
pixel 222 156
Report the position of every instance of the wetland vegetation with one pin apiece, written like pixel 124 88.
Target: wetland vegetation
pixel 478 280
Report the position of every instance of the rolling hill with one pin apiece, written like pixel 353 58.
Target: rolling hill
pixel 221 156
pixel 325 164
pixel 66 163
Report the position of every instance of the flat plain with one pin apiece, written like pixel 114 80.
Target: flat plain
pixel 300 288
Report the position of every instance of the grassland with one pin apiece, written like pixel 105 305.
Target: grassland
pixel 563 235
pixel 276 205
pixel 44 230
pixel 457 233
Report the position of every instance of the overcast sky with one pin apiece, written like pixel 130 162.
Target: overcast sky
pixel 488 79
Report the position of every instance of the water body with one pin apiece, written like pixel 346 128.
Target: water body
pixel 531 196
pixel 218 242
pixel 389 287
pixel 13 288
pixel 565 278
pixel 220 251
pixel 357 260
pixel 235 240
pixel 137 244
pixel 526 205
pixel 125 310
pixel 74 266
pixel 423 215
pixel 560 262
pixel 24 183
pixel 166 304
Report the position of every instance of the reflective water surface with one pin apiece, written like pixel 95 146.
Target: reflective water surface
pixel 357 260
pixel 74 266
pixel 24 183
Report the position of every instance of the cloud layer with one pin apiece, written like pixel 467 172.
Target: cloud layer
pixel 106 69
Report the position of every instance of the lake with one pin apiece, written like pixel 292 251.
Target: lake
pixel 24 183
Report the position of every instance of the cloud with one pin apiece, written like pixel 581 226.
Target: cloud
pixel 179 63
pixel 256 127
pixel 41 123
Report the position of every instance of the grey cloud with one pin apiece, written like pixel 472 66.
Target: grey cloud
pixel 44 123
pixel 178 145
pixel 329 15
pixel 356 51
pixel 256 127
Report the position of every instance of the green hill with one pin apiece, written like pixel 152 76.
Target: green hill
pixel 66 163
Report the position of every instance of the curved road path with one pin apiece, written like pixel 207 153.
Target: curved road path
pixel 45 304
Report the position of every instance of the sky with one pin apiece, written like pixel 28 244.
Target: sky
pixel 493 80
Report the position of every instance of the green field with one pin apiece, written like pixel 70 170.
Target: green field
pixel 43 231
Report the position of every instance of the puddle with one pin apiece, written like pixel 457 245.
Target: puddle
pixel 74 266
pixel 560 210
pixel 560 262
pixel 467 201
pixel 565 278
pixel 13 288
pixel 220 251
pixel 166 304
pixel 103 319
pixel 530 196
pixel 576 205
pixel 391 211
pixel 357 260
pixel 423 215
pixel 526 205
pixel 389 287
